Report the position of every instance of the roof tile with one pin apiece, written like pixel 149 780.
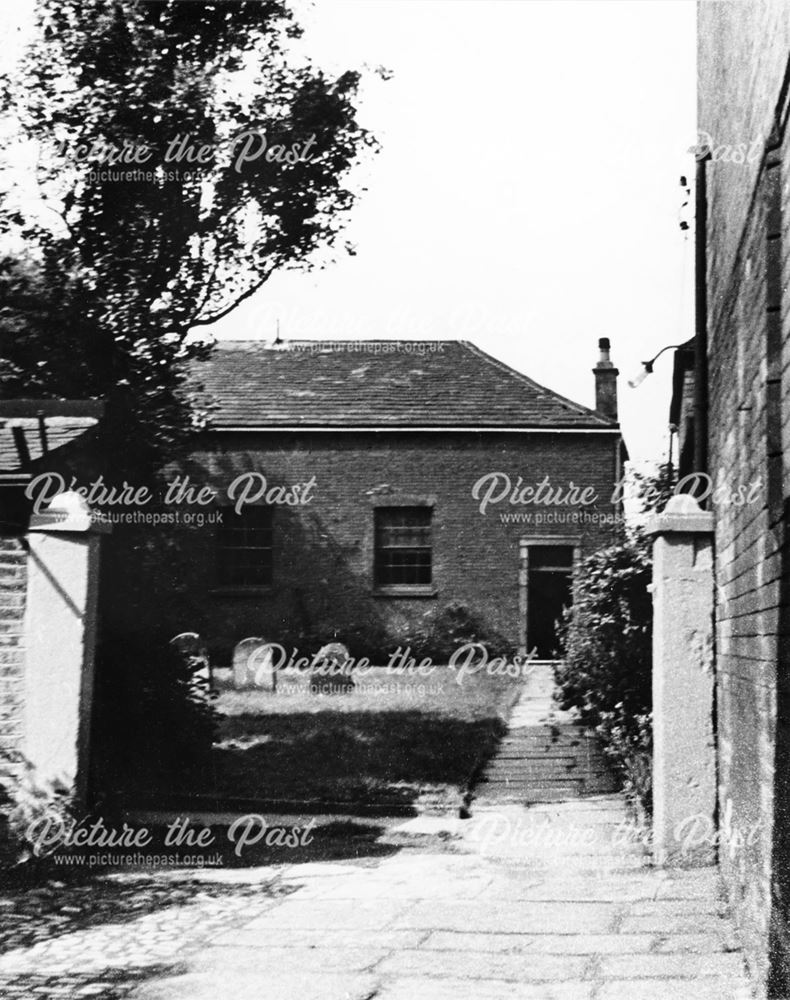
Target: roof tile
pixel 393 383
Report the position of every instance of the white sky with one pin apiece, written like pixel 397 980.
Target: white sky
pixel 526 196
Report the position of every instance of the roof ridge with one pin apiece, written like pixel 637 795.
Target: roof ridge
pixel 521 377
pixel 337 340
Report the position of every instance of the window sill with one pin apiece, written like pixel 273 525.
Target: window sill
pixel 407 590
pixel 251 591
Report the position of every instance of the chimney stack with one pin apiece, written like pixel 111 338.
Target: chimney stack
pixel 605 382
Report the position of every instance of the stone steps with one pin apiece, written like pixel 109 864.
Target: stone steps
pixel 540 760
pixel 538 777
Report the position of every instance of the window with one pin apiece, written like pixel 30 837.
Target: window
pixel 244 548
pixel 402 546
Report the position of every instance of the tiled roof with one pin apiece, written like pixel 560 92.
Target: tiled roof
pixel 377 384
pixel 31 429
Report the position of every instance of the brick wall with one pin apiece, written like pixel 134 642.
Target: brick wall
pixel 13 582
pixel 323 552
pixel 742 53
pixel 743 56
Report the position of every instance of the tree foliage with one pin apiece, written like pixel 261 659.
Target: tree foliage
pixel 122 259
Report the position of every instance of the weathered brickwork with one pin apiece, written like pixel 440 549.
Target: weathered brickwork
pixel 13 582
pixel 743 59
pixel 323 551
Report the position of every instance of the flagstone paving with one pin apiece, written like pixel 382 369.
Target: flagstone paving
pixel 553 901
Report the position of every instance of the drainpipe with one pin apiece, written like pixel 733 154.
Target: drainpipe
pixel 701 320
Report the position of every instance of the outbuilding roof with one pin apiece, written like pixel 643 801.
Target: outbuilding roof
pixel 30 429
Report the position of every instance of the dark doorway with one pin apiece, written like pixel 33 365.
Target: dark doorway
pixel 549 590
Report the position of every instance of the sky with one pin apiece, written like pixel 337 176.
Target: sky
pixel 526 193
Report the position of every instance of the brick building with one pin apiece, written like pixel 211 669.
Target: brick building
pixel 740 381
pixel 378 479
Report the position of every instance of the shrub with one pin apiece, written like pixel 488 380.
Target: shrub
pixel 606 673
pixel 154 720
pixel 366 637
pixel 454 626
pixel 24 801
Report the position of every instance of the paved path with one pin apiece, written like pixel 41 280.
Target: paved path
pixel 552 901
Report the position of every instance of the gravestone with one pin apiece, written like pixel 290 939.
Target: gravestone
pixel 330 671
pixel 262 665
pixel 253 664
pixel 194 652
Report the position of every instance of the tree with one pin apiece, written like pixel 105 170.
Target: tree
pixel 186 151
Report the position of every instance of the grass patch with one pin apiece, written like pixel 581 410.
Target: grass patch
pixel 399 740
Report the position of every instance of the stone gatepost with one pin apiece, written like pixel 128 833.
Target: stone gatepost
pixel 684 754
pixel 60 637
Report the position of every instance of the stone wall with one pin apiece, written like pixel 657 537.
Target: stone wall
pixel 13 582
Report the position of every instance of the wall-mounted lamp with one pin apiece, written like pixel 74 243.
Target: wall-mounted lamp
pixel 647 366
